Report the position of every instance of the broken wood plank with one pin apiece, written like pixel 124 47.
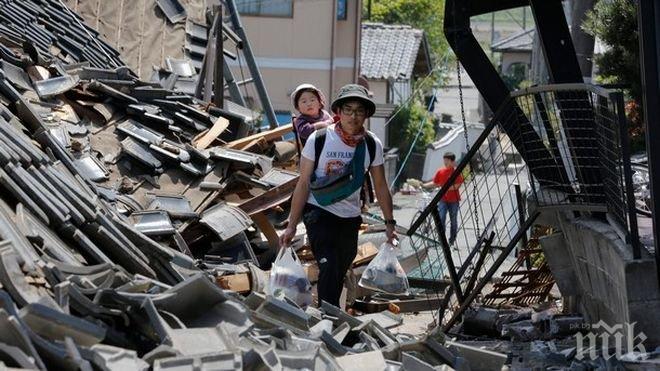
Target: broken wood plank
pixel 207 137
pixel 260 143
pixel 269 135
pixel 270 198
pixel 312 271
pixel 267 229
pixel 239 282
pixel 365 253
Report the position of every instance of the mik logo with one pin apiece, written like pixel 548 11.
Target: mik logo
pixel 611 338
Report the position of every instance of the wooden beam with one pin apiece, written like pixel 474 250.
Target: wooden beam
pixel 270 198
pixel 365 253
pixel 239 282
pixel 267 229
pixel 269 136
pixel 259 142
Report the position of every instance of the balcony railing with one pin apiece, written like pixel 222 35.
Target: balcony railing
pixel 563 146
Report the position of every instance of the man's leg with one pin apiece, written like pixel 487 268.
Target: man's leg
pixel 320 232
pixel 453 220
pixel 442 208
pixel 346 248
pixel 334 244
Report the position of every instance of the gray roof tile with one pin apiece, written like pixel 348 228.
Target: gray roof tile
pixel 389 51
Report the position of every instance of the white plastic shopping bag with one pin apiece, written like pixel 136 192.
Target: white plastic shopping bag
pixel 288 277
pixel 384 273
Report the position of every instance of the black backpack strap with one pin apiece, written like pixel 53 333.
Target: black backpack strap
pixel 319 143
pixel 371 147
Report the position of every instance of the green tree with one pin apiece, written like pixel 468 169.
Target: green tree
pixel 406 124
pixel 614 22
pixel 427 15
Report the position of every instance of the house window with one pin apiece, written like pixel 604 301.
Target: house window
pixel 266 8
pixel 341 10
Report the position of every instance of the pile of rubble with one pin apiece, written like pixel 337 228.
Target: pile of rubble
pixel 542 337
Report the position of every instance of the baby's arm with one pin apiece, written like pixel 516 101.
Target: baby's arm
pixel 305 128
pixel 323 123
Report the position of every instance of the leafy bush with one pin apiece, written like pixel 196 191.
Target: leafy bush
pixel 405 125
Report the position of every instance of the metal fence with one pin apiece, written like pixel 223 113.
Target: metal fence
pixel 584 129
pixel 564 144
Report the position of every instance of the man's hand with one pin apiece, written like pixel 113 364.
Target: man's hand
pixel 287 236
pixel 390 232
pixel 429 185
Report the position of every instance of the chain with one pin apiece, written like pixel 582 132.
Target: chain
pixel 467 147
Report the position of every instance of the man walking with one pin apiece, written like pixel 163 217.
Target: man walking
pixel 450 201
pixel 327 197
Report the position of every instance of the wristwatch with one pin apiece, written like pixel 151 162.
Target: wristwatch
pixel 390 222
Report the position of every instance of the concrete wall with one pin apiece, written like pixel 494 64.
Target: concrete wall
pixel 291 51
pixel 376 124
pixel 596 269
pixel 379 90
pixel 510 58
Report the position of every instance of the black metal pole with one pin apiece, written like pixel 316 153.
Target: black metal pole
pixel 252 64
pixel 464 268
pixel 218 70
pixel 491 272
pixel 479 264
pixel 520 201
pixel 633 233
pixel 446 250
pixel 648 17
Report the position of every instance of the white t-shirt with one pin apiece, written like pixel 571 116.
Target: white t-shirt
pixel 334 157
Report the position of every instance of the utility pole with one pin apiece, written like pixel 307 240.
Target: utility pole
pixel 648 20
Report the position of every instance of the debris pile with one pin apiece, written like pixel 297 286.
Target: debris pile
pixel 541 337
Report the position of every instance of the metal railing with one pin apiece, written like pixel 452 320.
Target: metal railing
pixel 585 129
pixel 563 144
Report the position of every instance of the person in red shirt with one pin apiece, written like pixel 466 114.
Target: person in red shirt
pixel 450 201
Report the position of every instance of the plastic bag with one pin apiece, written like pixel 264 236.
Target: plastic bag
pixel 384 273
pixel 287 276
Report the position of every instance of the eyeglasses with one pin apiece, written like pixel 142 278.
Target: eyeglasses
pixel 359 112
